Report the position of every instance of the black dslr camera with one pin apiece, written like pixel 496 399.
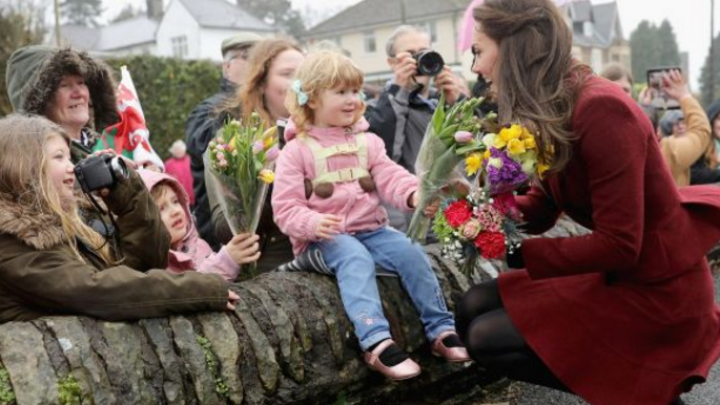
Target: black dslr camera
pixel 96 172
pixel 429 63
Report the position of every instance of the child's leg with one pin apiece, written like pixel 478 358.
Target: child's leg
pixel 395 252
pixel 354 269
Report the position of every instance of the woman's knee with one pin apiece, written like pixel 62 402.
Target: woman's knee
pixel 479 299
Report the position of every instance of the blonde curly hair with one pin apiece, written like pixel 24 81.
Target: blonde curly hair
pixel 322 70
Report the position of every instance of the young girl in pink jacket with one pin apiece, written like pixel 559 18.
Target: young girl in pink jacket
pixel 330 180
pixel 187 250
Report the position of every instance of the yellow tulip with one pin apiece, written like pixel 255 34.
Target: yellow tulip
pixel 530 143
pixel 267 176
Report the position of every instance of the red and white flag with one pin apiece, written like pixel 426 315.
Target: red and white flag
pixel 129 137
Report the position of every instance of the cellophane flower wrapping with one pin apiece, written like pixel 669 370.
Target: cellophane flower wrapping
pixel 440 153
pixel 241 160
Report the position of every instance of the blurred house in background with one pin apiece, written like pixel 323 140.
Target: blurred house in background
pixel 186 29
pixel 364 28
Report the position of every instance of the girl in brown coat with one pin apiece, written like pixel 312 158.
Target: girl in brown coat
pixel 51 263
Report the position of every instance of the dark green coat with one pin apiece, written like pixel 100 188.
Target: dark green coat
pixel 41 275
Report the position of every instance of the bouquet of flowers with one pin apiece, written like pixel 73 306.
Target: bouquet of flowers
pixel 477 226
pixel 241 160
pixel 485 224
pixel 443 148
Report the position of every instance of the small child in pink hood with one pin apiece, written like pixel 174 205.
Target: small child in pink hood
pixel 330 179
pixel 187 251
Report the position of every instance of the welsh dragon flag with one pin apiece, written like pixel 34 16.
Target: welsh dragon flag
pixel 129 137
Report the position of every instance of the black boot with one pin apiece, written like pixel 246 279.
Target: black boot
pixel 678 401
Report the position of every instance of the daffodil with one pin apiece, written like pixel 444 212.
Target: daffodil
pixel 526 134
pixel 530 142
pixel 506 134
pixel 473 163
pixel 541 169
pixel 489 140
pixel 515 147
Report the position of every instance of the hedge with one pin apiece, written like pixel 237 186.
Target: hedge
pixel 169 89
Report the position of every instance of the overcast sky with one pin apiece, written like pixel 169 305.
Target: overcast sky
pixel 689 18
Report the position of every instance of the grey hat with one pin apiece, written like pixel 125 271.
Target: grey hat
pixel 240 40
pixel 670 118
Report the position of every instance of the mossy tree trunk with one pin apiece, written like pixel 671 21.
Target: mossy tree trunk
pixel 288 342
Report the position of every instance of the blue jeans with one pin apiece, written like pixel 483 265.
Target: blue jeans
pixel 352 260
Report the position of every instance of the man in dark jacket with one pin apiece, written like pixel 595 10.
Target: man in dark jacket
pixel 202 124
pixel 402 112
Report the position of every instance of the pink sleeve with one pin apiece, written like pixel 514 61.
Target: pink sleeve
pixel 393 182
pixel 290 207
pixel 220 263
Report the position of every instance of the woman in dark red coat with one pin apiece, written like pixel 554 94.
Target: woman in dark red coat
pixel 626 314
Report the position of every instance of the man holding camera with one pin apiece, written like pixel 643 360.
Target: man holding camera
pixel 401 114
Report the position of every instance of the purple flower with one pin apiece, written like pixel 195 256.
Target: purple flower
pixel 258 147
pixel 508 176
pixel 272 154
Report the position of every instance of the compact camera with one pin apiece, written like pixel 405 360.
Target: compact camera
pixel 429 63
pixel 103 171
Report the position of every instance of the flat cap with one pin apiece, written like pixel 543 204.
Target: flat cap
pixel 240 40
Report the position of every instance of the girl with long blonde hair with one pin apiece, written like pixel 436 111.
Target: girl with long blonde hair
pixel 52 263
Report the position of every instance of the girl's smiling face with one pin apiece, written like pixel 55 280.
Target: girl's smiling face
pixel 337 107
pixel 59 167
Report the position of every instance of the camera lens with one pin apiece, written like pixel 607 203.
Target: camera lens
pixel 430 63
pixel 118 168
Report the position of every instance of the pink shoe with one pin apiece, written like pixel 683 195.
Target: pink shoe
pixel 403 371
pixel 452 354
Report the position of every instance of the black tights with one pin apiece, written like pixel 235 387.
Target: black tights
pixel 494 342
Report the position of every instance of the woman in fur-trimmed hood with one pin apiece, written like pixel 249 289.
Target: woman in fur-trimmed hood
pixel 68 86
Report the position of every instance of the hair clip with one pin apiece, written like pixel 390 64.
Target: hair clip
pixel 302 97
pixel 362 95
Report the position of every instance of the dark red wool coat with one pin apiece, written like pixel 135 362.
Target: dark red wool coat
pixel 625 315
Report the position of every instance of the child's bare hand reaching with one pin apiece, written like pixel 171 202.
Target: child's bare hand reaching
pixel 328 226
pixel 430 210
pixel 244 248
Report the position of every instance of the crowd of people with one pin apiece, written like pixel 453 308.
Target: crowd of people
pixel 580 314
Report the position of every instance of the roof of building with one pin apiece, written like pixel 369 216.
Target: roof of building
pixel 126 33
pixel 77 36
pixel 368 13
pixel 605 21
pixel 221 14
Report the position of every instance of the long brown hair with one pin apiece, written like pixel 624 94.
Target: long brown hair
pixel 24 179
pixel 537 78
pixel 249 96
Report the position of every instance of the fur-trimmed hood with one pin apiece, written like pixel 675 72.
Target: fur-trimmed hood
pixel 34 74
pixel 33 227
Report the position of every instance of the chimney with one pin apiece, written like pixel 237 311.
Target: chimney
pixel 154 8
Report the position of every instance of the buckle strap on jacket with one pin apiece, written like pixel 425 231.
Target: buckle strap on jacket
pixel 320 155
